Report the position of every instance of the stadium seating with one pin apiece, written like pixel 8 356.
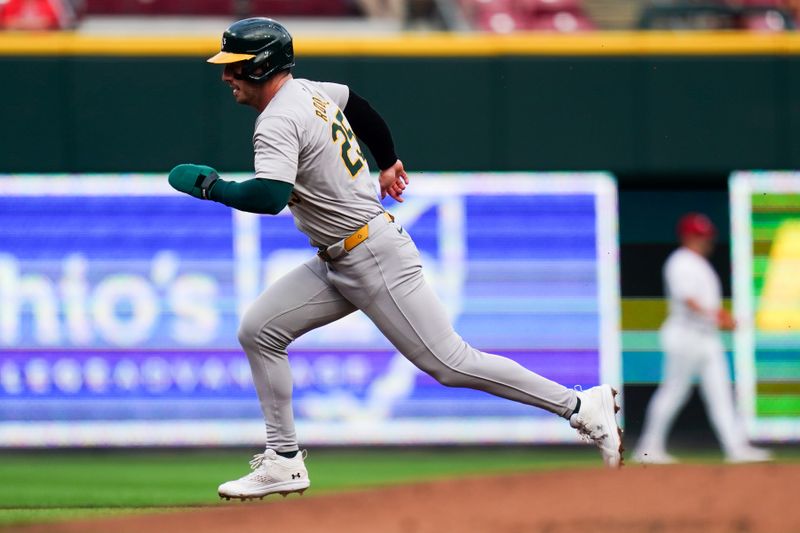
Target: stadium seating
pixel 558 15
pixel 752 15
pixel 506 16
pixel 765 15
pixel 220 7
pixel 759 3
pixel 309 8
pixel 561 21
pixel 158 7
pixel 495 16
pixel 36 15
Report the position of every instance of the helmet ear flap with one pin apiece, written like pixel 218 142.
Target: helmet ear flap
pixel 267 63
pixel 258 68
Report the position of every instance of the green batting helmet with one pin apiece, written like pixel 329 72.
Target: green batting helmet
pixel 263 44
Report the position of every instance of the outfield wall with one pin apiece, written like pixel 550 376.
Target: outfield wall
pixel 629 103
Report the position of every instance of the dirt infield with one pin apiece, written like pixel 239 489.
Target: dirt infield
pixel 708 499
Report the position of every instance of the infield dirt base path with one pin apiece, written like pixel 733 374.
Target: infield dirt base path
pixel 707 499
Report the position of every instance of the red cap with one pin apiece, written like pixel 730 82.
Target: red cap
pixel 696 224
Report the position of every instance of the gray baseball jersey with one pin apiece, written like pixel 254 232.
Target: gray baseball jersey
pixel 303 138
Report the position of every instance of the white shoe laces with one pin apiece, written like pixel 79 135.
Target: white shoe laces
pixel 269 455
pixel 257 460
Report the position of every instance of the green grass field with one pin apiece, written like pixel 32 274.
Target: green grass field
pixel 59 485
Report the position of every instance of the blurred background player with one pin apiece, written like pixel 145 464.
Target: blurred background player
pixel 692 347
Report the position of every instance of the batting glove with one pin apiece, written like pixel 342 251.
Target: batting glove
pixel 197 180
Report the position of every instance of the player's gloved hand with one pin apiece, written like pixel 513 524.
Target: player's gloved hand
pixel 196 180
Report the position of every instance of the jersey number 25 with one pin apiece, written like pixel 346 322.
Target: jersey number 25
pixel 340 131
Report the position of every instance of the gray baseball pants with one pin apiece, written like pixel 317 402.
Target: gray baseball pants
pixel 382 277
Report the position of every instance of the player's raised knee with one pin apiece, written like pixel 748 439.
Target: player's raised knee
pixel 250 328
pixel 246 335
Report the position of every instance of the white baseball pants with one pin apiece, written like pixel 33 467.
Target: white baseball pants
pixel 689 352
pixel 383 278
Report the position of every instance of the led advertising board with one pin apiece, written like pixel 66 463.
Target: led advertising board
pixel 120 301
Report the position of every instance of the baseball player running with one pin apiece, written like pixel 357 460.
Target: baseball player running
pixel 692 347
pixel 308 157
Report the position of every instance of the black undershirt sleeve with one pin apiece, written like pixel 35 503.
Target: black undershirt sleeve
pixel 370 127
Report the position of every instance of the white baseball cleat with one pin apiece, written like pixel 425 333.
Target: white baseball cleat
pixel 271 474
pixel 597 422
pixel 654 458
pixel 749 454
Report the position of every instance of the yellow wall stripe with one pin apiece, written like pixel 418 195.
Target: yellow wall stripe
pixel 421 45
pixel 643 313
pixel 647 314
